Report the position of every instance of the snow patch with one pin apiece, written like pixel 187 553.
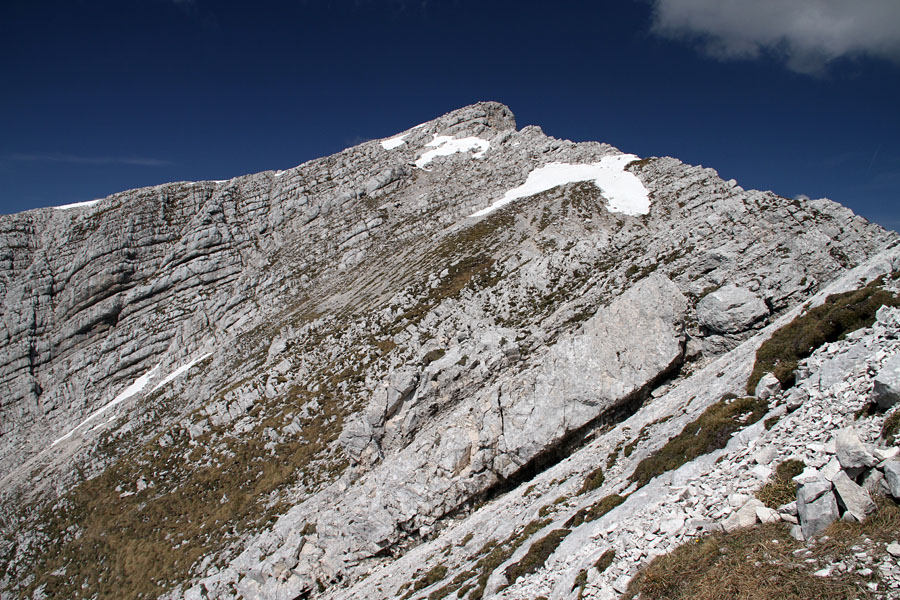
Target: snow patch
pixel 76 205
pixel 394 142
pixel 625 192
pixel 179 371
pixel 139 384
pixel 445 145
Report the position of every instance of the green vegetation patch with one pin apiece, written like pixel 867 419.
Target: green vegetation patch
pixel 105 539
pixel 493 554
pixel 891 427
pixel 592 481
pixel 596 510
pixel 760 563
pixel 781 489
pixel 605 560
pixel 536 556
pixel 711 431
pixel 839 315
pixel 432 576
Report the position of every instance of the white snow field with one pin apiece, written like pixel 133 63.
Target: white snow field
pixel 624 192
pixel 394 142
pixel 445 145
pixel 76 205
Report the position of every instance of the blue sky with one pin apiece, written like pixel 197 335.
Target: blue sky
pixel 100 96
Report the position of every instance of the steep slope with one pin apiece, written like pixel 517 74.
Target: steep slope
pixel 275 383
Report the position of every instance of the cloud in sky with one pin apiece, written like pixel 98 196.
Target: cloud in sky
pixel 806 34
pixel 91 160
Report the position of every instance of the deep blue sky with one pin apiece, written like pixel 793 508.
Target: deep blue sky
pixel 99 96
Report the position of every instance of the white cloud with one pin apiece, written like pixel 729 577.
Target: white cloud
pixel 806 34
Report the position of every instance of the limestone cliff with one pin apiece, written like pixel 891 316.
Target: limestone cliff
pixel 277 385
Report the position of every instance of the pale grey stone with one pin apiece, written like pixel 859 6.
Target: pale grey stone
pixel 831 468
pixel 872 481
pixel 816 506
pixel 766 455
pixel 767 515
pixel 886 389
pixel 883 454
pixel 744 516
pixel 790 508
pixel 851 452
pixel 854 499
pixel 767 387
pixel 891 471
pixel 730 309
pixel 289 278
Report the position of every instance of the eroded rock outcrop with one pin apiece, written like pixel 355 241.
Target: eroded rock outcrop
pixel 336 361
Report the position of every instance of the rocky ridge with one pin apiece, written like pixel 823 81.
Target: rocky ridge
pixel 298 382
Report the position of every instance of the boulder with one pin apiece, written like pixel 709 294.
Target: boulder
pixel 892 475
pixel 851 452
pixel 745 516
pixel 886 391
pixel 816 506
pixel 767 387
pixel 730 309
pixel 872 481
pixel 767 515
pixel 854 499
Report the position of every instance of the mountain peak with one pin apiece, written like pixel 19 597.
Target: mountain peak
pixel 304 383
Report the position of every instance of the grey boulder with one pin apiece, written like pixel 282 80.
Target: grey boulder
pixel 855 499
pixel 730 309
pixel 816 506
pixel 886 392
pixel 851 452
pixel 892 475
pixel 767 387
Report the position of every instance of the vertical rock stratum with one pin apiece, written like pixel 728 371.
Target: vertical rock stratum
pixel 388 372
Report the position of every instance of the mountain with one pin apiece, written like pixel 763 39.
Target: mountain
pixel 403 369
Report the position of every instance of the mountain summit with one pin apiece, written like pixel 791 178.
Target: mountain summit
pixel 410 369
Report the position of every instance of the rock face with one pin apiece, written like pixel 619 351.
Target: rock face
pixel 886 392
pixel 730 309
pixel 306 383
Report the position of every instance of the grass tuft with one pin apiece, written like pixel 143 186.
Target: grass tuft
pixel 711 431
pixel 781 489
pixel 595 511
pixel 891 427
pixel 839 315
pixel 764 562
pixel 605 560
pixel 592 481
pixel 536 556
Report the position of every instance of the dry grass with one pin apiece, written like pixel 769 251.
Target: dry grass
pixel 781 489
pixel 839 315
pixel 536 556
pixel 493 554
pixel 753 564
pixel 596 510
pixel 711 431
pixel 760 563
pixel 605 560
pixel 592 481
pixel 891 427
pixel 103 539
